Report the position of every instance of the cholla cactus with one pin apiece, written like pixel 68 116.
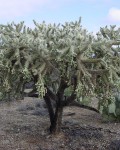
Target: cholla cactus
pixel 62 59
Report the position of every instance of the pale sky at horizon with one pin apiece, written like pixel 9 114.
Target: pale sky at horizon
pixel 94 13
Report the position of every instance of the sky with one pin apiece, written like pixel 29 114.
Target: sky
pixel 94 13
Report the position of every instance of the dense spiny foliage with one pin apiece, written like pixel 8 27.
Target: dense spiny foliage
pixel 89 65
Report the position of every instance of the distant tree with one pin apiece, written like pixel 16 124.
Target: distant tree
pixel 65 62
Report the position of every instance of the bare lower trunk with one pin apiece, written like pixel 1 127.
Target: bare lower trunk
pixel 55 127
pixel 55 115
pixel 50 108
pixel 56 120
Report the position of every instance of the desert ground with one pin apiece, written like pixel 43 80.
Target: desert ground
pixel 24 125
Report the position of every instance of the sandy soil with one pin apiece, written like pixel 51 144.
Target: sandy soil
pixel 24 126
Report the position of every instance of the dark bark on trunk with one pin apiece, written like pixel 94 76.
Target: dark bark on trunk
pixel 51 94
pixel 55 118
pixel 50 107
pixel 55 127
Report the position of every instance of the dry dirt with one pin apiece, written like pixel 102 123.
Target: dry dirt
pixel 24 126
